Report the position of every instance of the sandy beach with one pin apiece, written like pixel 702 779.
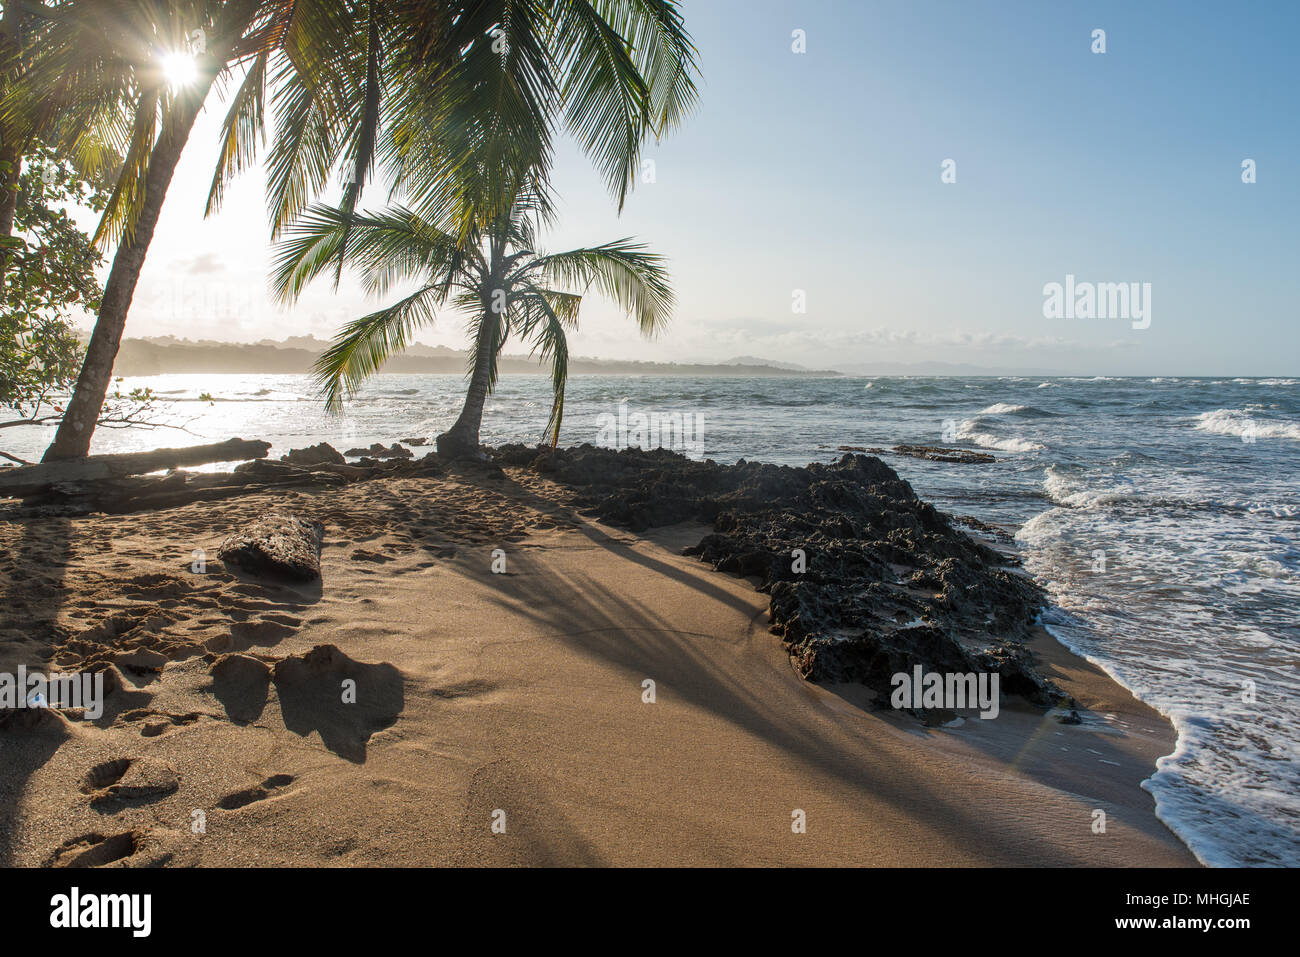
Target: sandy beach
pixel 513 698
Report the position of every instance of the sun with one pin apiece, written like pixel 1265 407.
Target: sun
pixel 180 69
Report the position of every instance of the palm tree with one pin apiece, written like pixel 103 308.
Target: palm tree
pixel 449 98
pixel 499 279
pixel 119 47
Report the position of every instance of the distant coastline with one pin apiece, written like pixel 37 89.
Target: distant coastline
pixel 142 357
pixel 296 355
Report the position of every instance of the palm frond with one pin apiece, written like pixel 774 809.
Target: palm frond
pixel 365 344
pixel 127 197
pixel 387 248
pixel 635 279
pixel 607 101
pixel 546 315
pixel 244 123
pixel 366 134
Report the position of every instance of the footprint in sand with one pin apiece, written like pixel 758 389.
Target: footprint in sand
pixel 95 850
pixel 472 688
pixel 129 781
pixel 440 551
pixel 103 775
pixel 364 555
pixel 265 631
pixel 258 792
pixel 155 723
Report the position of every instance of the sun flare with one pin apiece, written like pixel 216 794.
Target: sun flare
pixel 180 69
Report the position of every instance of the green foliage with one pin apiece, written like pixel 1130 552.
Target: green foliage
pixel 49 275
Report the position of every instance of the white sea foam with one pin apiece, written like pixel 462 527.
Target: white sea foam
pixel 1243 422
pixel 986 440
pixel 1066 489
pixel 1187 607
pixel 1193 813
pixel 1003 408
pixel 974 430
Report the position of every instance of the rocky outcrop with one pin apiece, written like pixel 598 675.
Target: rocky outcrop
pixel 866 580
pixel 930 453
pixel 377 451
pixel 322 454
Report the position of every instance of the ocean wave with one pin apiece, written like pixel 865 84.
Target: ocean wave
pixel 1190 802
pixel 1006 408
pixel 1066 487
pixel 1241 422
pixel 233 399
pixel 1225 791
pixel 1272 509
pixel 986 440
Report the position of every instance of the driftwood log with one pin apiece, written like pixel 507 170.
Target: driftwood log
pixel 133 493
pixel 279 545
pixel 32 478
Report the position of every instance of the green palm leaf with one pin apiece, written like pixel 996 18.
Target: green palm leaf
pixel 365 344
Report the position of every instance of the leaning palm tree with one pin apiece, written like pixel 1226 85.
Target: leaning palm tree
pixel 101 81
pixel 498 279
pixel 445 97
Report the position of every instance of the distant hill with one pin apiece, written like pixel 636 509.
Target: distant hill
pixel 941 369
pixel 163 354
pixel 755 361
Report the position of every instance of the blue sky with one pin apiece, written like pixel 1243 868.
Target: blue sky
pixel 821 171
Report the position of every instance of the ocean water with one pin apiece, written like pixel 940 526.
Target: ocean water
pixel 1161 514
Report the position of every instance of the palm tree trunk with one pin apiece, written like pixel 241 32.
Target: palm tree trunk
pixel 73 437
pixel 9 152
pixel 461 440
pixel 9 202
pixel 78 424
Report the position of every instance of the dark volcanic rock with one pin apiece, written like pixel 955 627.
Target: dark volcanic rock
pixel 885 581
pixel 377 451
pixel 323 454
pixel 276 544
pixel 934 454
pixel 930 453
